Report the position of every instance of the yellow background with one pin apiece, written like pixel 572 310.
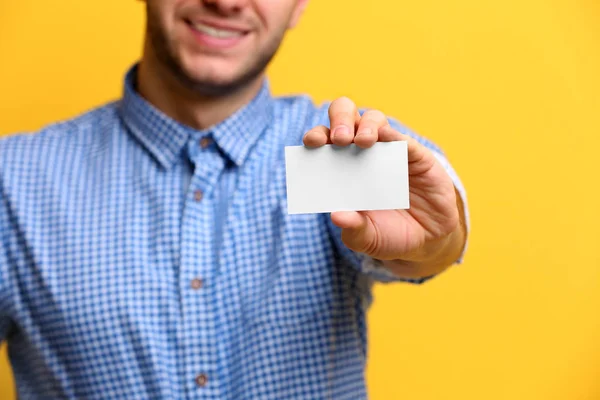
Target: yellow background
pixel 510 89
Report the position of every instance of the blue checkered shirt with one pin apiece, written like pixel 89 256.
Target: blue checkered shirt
pixel 143 259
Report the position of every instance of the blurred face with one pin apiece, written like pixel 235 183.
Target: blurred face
pixel 218 46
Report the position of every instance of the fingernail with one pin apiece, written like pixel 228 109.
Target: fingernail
pixel 364 131
pixel 340 131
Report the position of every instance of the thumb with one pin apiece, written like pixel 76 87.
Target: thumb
pixel 358 232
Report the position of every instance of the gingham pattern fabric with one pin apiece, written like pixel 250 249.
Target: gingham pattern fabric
pixel 136 263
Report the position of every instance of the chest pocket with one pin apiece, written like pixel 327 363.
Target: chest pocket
pixel 285 270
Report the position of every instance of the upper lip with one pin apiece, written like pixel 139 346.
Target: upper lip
pixel 220 25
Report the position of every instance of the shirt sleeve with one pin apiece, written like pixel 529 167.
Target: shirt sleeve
pixel 374 268
pixel 4 291
pixel 5 321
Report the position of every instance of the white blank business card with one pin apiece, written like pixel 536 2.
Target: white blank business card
pixel 333 178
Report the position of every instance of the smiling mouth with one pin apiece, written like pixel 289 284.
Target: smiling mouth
pixel 218 33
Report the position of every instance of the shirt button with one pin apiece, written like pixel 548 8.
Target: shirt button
pixel 197 283
pixel 201 380
pixel 198 195
pixel 205 142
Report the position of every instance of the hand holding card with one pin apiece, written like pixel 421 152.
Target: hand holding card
pixel 366 183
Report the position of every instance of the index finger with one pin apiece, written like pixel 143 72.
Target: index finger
pixel 343 118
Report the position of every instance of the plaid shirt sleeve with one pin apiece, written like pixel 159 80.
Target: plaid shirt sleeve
pixel 4 288
pixel 4 291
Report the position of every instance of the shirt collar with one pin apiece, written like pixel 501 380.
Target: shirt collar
pixel 165 138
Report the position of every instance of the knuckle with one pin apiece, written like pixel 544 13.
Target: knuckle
pixel 342 116
pixel 345 100
pixel 317 130
pixel 374 116
pixel 344 103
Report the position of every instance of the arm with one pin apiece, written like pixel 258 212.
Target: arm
pixel 5 295
pixel 4 290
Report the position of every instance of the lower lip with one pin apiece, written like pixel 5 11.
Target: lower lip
pixel 214 42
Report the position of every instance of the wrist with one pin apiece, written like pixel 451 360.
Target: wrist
pixel 432 258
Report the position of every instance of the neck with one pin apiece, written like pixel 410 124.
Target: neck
pixel 163 90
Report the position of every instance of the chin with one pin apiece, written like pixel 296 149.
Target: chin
pixel 202 68
pixel 204 72
pixel 213 76
pixel 213 79
pixel 211 85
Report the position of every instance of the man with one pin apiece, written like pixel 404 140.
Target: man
pixel 145 247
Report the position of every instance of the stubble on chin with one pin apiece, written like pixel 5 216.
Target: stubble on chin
pixel 207 87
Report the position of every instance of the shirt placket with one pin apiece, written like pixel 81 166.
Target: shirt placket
pixel 197 272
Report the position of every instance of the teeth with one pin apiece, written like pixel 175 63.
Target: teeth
pixel 214 32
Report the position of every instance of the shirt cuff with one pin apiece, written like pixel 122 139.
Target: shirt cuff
pixel 379 272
